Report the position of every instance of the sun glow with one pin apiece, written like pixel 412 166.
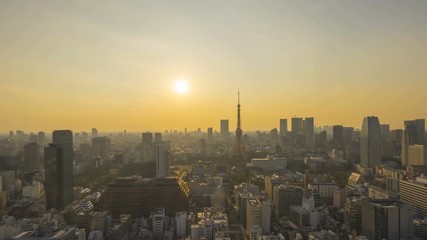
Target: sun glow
pixel 181 87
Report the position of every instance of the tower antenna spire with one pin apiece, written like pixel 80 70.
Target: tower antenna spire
pixel 238 96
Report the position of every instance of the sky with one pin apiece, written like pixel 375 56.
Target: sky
pixel 113 64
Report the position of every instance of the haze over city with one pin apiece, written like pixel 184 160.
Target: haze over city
pixel 114 65
pixel 213 120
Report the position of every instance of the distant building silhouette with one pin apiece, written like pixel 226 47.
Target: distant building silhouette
pixel 309 132
pixel 338 136
pixel 297 125
pixel 283 126
pixel 147 147
pixel 224 128
pixel 370 143
pixel 101 147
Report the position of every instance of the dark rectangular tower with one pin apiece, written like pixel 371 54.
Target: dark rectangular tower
pixel 64 138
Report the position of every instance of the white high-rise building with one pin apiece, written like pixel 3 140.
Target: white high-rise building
pixel 258 213
pixel 158 218
pixel 181 224
pixel 370 143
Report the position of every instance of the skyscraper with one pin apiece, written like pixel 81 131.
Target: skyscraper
pixel 239 145
pixel 338 136
pixel 385 219
pixel 413 133
pixel 64 138
pixel 224 128
pixel 309 132
pixel 348 135
pixel 162 160
pixel 370 143
pixel 283 128
pixel 147 147
pixel 157 223
pixel 297 125
pixel 101 147
pixel 55 183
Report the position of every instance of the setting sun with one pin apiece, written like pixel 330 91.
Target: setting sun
pixel 181 87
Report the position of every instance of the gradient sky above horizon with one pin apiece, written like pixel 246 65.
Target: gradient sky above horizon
pixel 113 64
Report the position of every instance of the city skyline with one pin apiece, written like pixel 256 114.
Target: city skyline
pixel 116 66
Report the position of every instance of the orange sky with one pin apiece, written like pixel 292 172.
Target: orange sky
pixel 113 65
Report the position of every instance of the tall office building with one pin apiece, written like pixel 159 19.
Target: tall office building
pixel 353 213
pixel 224 128
pixel 370 143
pixel 85 152
pixel 309 132
pixel 181 224
pixel 31 156
pixel 157 224
pixel 297 125
pixel 286 196
pixel 101 147
pixel 348 135
pixel 258 212
pixel 321 139
pixel 338 136
pixel 385 219
pixel 57 196
pixel 162 160
pixel 283 127
pixel 147 147
pixel 64 138
pixel 413 133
